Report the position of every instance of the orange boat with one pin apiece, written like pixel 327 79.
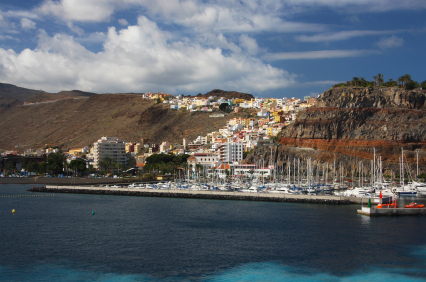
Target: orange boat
pixel 414 205
pixel 391 205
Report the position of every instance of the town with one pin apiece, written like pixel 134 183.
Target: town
pixel 220 151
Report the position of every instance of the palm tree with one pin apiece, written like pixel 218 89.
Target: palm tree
pixel 407 78
pixel 375 79
pixel 355 81
pixel 380 79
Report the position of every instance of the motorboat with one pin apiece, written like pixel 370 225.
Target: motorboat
pixel 414 205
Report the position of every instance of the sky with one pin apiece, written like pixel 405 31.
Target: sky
pixel 268 48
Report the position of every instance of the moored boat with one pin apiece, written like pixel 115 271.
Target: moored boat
pixel 414 205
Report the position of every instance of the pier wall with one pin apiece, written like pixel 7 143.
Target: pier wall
pixel 391 211
pixel 196 194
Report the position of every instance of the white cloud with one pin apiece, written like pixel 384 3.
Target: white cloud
pixel 123 22
pixel 390 42
pixel 359 5
pixel 137 58
pixel 27 24
pixel 75 28
pixel 323 54
pixel 79 10
pixel 244 13
pixel 342 35
pixel 95 37
pixel 7 37
pixel 249 44
pixel 321 82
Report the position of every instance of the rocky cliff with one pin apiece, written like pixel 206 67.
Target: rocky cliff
pixel 347 123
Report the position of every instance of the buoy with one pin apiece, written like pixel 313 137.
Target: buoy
pixel 93 212
pixel 13 211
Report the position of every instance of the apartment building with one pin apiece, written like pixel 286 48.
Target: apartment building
pixel 231 152
pixel 112 147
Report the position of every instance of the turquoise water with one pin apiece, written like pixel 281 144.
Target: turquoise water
pixel 55 237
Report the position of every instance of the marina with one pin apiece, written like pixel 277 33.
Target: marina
pixel 208 194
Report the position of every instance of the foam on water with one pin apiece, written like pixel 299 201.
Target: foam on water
pixel 265 271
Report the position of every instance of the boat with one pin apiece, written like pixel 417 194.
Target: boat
pixel 390 205
pixel 414 205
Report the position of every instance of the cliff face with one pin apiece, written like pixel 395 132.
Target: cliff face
pixel 380 98
pixel 348 123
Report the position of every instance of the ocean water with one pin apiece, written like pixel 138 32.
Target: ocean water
pixel 55 237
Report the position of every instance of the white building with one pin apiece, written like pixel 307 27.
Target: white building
pixel 231 152
pixel 165 146
pixel 112 147
pixel 206 160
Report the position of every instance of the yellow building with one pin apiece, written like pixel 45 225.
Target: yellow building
pixel 278 113
pixel 238 101
pixel 75 151
pixel 138 148
pixel 279 119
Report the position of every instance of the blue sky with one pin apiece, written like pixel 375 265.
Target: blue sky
pixel 267 48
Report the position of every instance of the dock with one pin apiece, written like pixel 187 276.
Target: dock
pixel 373 211
pixel 203 194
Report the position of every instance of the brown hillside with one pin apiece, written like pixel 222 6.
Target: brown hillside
pixel 44 96
pixel 80 122
pixel 226 94
pixel 15 92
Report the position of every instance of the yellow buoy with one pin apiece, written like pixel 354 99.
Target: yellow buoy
pixel 13 211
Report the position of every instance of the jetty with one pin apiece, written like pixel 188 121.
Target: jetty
pixel 374 211
pixel 201 194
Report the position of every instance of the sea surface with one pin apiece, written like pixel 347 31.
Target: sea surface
pixel 70 237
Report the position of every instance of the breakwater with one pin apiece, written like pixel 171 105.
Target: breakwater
pixel 196 194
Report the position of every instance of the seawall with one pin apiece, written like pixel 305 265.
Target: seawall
pixel 196 194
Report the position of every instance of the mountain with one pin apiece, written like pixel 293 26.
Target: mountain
pixel 71 123
pixel 226 94
pixel 15 92
pixel 348 124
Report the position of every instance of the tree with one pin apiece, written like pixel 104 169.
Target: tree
pixel 355 81
pixel 375 79
pixel 132 162
pixel 410 85
pixel 78 166
pixel 404 79
pixel 55 162
pixel 227 172
pixel 380 79
pixel 390 83
pixel 363 82
pixel 224 107
pixel 107 163
pixel 423 85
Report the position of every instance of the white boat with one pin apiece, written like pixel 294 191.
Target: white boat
pixel 357 192
pixel 252 189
